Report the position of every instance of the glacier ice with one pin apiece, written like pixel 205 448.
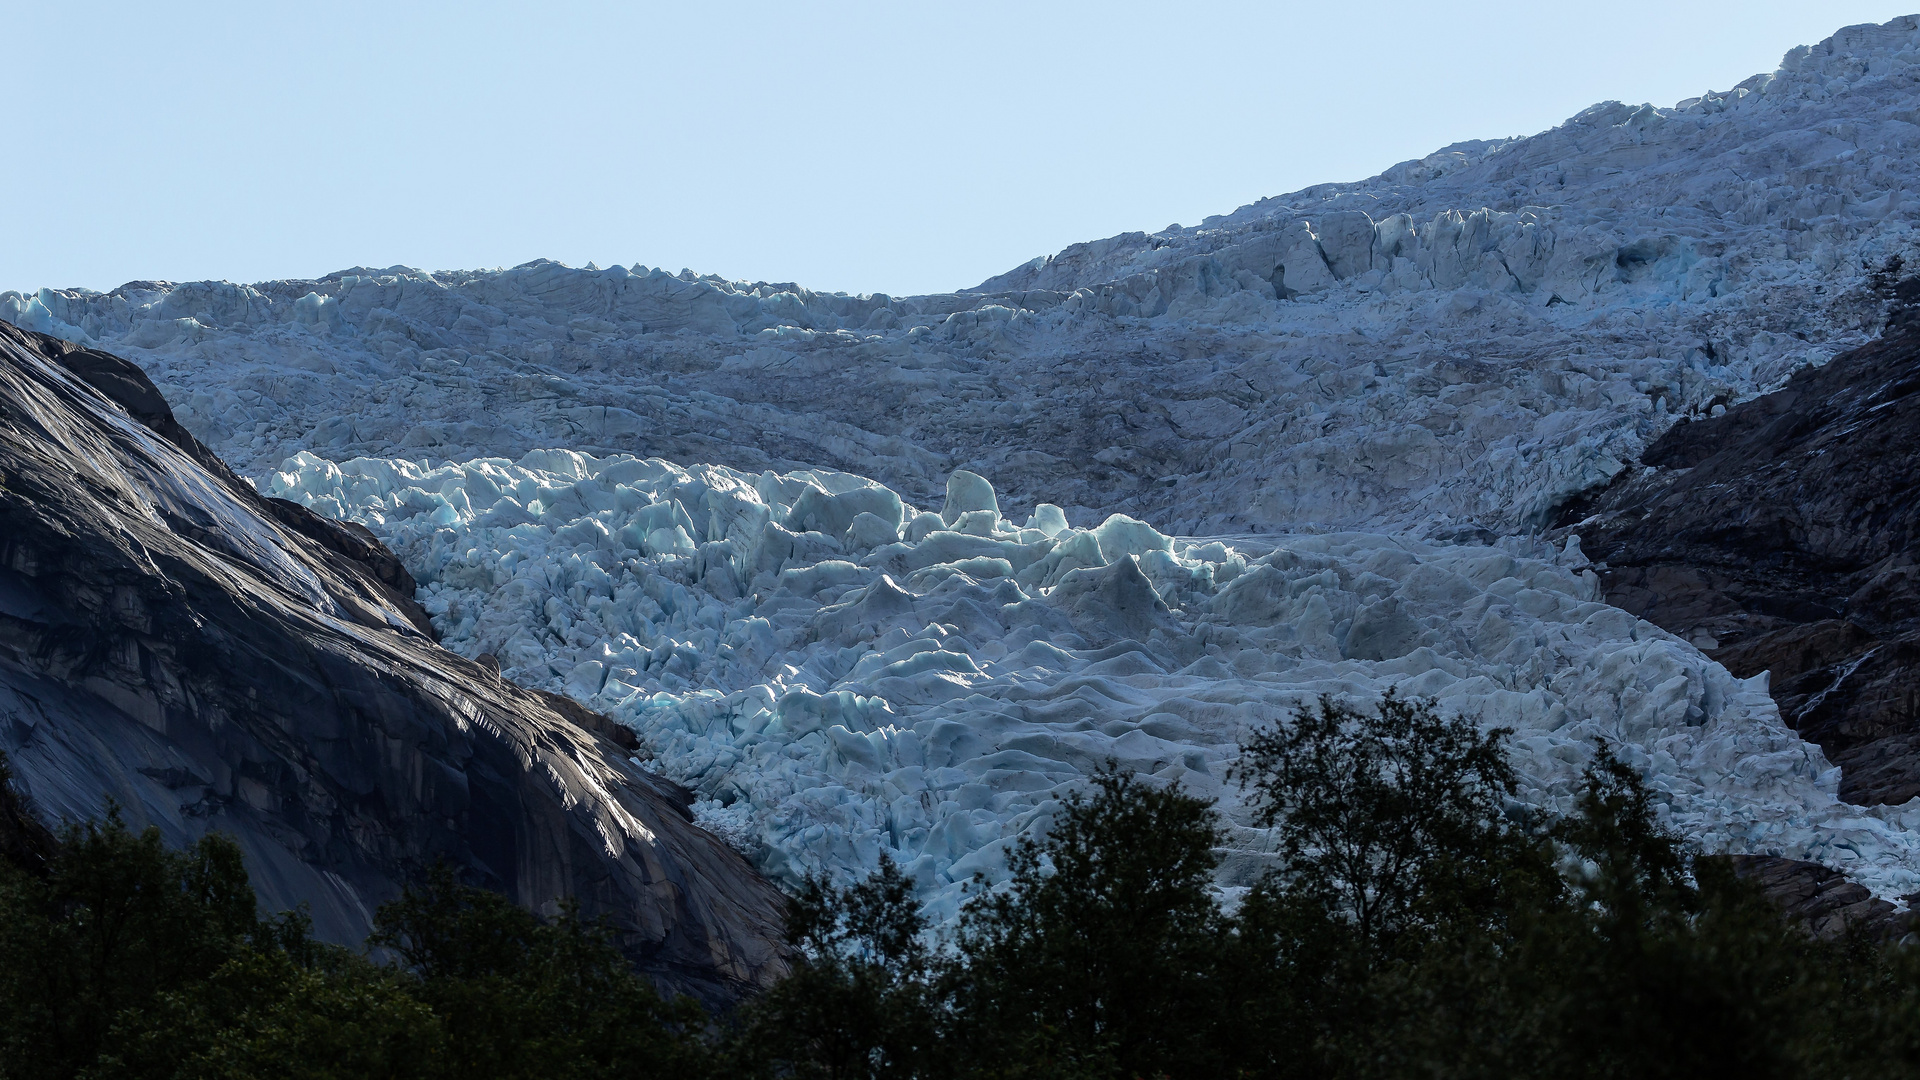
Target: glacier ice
pixel 1450 347
pixel 838 675
pixel 1296 449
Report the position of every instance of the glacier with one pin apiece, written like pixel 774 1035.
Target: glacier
pixel 840 676
pixel 1302 448
pixel 1466 339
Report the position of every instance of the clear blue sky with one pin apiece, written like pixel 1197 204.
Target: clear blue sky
pixel 867 147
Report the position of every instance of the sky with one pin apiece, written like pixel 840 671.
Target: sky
pixel 864 147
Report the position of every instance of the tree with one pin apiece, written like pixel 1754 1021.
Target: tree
pixel 1596 946
pixel 122 958
pixel 1403 861
pixel 1396 818
pixel 522 996
pixel 331 1015
pixel 126 959
pixel 1634 873
pixel 860 1001
pixel 1101 953
pixel 1651 962
pixel 1665 963
pixel 25 844
pixel 117 920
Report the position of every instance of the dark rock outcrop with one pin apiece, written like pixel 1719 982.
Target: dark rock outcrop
pixel 1784 536
pixel 209 659
pixel 1821 899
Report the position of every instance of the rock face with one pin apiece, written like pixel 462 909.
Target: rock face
pixel 209 659
pixel 1784 536
pixel 1820 898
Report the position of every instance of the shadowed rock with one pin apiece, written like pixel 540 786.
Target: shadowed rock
pixel 212 660
pixel 1820 898
pixel 1784 536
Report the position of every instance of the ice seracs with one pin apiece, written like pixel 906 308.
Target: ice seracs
pixel 840 675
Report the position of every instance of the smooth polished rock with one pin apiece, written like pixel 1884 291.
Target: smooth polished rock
pixel 207 659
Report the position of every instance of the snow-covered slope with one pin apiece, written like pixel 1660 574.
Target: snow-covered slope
pixel 1366 394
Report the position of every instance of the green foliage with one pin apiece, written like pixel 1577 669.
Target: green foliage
pixel 860 1002
pixel 1633 872
pixel 265 1014
pixel 1099 956
pixel 25 844
pixel 122 958
pixel 117 921
pixel 1665 964
pixel 1652 963
pixel 519 996
pixel 1391 818
pixel 1416 923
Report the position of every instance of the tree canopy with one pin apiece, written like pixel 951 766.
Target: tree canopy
pixel 1414 921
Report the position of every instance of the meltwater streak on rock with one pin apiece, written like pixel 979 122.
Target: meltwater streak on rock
pixel 210 660
pixel 839 676
pixel 1455 345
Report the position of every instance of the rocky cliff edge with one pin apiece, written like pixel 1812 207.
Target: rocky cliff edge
pixel 207 659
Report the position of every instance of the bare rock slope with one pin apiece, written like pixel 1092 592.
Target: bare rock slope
pixel 209 659
pixel 1784 536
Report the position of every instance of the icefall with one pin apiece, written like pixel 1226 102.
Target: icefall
pixel 840 676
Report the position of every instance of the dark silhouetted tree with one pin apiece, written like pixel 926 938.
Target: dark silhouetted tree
pixel 861 1001
pixel 1100 953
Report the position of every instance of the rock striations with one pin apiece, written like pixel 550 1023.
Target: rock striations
pixel 203 658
